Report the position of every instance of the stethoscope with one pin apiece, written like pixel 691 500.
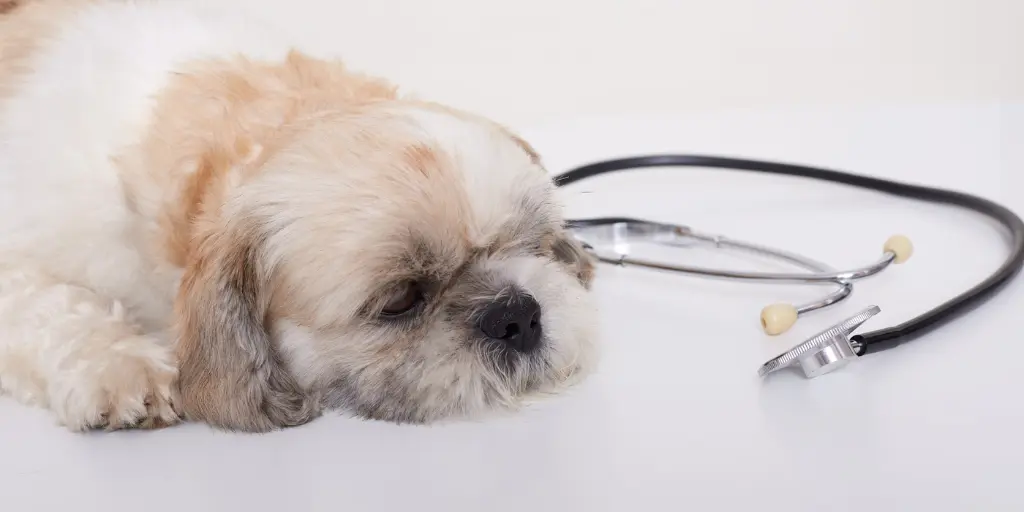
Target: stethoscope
pixel 610 240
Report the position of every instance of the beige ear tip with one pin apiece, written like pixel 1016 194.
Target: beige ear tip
pixel 901 248
pixel 778 318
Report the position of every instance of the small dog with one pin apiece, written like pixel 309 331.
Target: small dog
pixel 199 222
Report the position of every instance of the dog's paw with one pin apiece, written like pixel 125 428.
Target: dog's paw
pixel 130 385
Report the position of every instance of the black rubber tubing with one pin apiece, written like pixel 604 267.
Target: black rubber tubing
pixel 880 339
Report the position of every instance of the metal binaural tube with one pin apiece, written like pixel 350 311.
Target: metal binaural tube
pixel 620 234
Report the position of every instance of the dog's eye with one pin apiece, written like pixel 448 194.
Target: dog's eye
pixel 405 299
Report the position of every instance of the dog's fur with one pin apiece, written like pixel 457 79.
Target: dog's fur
pixel 198 220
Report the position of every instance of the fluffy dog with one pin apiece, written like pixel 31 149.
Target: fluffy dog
pixel 199 222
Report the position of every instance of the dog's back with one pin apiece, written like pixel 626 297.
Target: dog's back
pixel 78 81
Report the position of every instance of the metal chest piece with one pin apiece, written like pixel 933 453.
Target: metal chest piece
pixel 826 351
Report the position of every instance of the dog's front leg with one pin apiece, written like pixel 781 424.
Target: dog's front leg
pixel 66 348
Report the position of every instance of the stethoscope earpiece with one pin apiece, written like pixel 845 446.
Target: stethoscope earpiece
pixel 900 247
pixel 778 318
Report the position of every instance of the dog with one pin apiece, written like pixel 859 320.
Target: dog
pixel 202 222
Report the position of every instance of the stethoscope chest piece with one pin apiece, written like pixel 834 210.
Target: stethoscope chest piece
pixel 824 352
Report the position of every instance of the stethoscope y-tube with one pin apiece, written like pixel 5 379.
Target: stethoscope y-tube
pixel 880 339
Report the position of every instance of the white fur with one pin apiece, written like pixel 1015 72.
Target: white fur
pixel 491 166
pixel 62 212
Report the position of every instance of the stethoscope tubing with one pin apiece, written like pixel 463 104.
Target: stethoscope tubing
pixel 880 339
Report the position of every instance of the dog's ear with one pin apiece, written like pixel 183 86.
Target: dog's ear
pixel 568 250
pixel 230 375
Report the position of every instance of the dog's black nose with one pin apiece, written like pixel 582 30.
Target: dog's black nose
pixel 514 320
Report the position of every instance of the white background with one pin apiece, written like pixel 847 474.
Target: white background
pixel 529 61
pixel 676 419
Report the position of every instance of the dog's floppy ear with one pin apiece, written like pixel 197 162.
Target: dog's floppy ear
pixel 568 250
pixel 230 375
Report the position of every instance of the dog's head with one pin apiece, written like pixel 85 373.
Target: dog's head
pixel 399 261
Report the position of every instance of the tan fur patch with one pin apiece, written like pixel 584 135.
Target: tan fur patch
pixel 526 147
pixel 209 122
pixel 423 158
pixel 179 221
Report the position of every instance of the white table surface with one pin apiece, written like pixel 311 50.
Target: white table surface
pixel 676 418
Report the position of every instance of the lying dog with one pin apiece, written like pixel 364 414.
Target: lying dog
pixel 198 221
